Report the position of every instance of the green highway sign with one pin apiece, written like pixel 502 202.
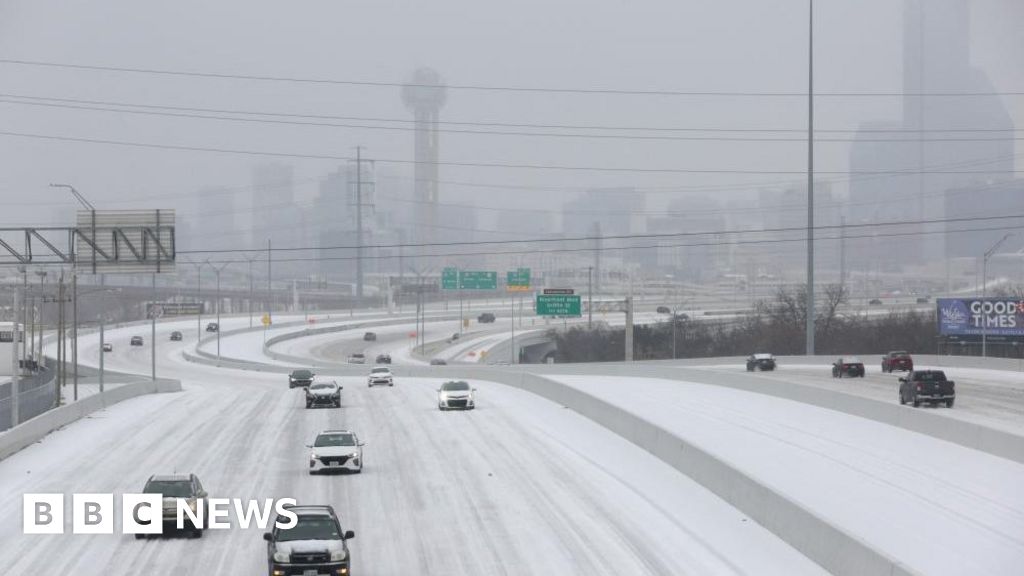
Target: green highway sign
pixel 450 279
pixel 518 280
pixel 478 280
pixel 558 305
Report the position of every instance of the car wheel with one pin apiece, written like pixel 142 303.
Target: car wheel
pixel 197 533
pixel 337 404
pixel 359 470
pixel 392 384
pixel 917 403
pixel 949 403
pixel 308 405
pixel 902 399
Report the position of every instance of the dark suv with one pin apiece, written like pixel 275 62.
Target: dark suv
pixel 176 336
pixel 897 360
pixel 485 318
pixel 300 378
pixel 212 327
pixel 927 386
pixel 136 341
pixel 178 487
pixel 316 544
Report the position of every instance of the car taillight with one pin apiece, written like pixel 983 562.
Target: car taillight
pixel 919 387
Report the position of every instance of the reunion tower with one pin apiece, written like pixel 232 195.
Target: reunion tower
pixel 424 95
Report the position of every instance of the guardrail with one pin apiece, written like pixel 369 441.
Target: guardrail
pixel 34 429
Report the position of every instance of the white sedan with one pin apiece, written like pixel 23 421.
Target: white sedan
pixel 381 375
pixel 456 395
pixel 336 450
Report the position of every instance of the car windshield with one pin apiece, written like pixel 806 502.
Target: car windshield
pixel 762 356
pixel 321 386
pixel 931 376
pixel 357 356
pixel 455 386
pixel 898 354
pixel 379 371
pixel 335 440
pixel 850 360
pixel 302 374
pixel 169 488
pixel 310 527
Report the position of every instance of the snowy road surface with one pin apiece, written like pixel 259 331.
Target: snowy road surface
pixel 936 507
pixel 519 486
pixel 993 398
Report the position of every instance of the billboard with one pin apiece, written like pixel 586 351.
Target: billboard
pixel 125 241
pixel 971 316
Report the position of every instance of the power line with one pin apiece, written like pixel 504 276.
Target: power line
pixel 633 137
pixel 486 88
pixel 552 167
pixel 600 127
pixel 644 247
pixel 606 238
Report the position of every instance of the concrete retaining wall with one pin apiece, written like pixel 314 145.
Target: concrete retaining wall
pixel 35 429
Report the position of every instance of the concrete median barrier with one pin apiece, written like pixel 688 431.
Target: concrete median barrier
pixel 35 429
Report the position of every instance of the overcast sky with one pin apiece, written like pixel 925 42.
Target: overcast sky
pixel 728 45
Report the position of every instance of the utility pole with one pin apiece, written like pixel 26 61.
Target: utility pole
pixel 810 179
pixel 842 251
pixel 590 298
pixel 152 331
pixel 250 292
pixel 15 368
pixel 103 295
pixel 629 328
pixel 42 300
pixel 74 326
pixel 269 294
pixel 359 224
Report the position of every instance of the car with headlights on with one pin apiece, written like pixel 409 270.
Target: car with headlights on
pixel 300 377
pixel 108 347
pixel 760 362
pixel 336 450
pixel 323 393
pixel 174 488
pixel 357 358
pixel 383 359
pixel 137 341
pixel 380 376
pixel 213 327
pixel 314 545
pixel 176 336
pixel 456 395
pixel 848 366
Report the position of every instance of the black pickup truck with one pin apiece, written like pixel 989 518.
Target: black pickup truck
pixel 927 386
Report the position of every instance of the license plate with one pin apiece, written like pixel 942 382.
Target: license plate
pixel 310 573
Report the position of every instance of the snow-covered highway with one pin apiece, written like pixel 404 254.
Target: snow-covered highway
pixel 519 486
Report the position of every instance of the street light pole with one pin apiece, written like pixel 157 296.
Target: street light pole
pixel 810 179
pixel 74 281
pixel 984 286
pixel 217 270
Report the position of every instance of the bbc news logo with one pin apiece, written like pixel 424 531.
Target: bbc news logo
pixel 147 514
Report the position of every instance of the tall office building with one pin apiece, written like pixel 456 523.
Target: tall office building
pixel 936 59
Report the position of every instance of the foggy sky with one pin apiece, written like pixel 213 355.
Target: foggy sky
pixel 742 45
